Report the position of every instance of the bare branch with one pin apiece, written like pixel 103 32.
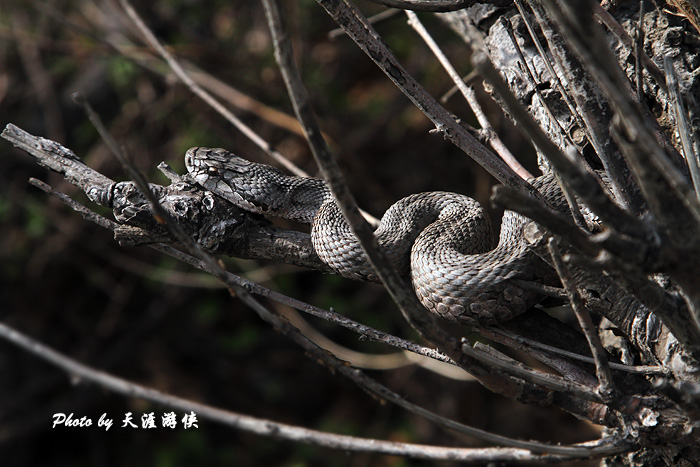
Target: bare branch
pixel 280 430
pixel 611 23
pixel 470 97
pixel 400 291
pixel 568 194
pixel 215 223
pixel 205 96
pixel 638 51
pixel 375 19
pixel 591 112
pixel 519 342
pixel 546 380
pixel 681 116
pixel 581 181
pixel 357 27
pixel 607 385
pixel 434 5
pixel 585 38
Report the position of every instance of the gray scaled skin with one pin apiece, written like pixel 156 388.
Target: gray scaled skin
pixel 442 240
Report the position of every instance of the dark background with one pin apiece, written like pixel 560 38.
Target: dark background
pixel 142 316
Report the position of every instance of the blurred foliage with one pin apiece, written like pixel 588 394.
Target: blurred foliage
pixel 127 311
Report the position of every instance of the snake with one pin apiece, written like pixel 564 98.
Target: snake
pixel 442 241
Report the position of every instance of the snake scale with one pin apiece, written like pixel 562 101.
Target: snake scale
pixel 442 240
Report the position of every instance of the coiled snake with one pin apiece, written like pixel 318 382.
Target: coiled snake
pixel 442 240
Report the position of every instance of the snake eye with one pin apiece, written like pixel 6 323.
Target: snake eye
pixel 213 170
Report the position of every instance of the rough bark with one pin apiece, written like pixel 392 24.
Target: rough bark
pixel 220 227
pixel 640 276
pixel 575 112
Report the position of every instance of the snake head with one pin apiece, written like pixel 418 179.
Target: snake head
pixel 251 186
pixel 221 172
pixel 202 163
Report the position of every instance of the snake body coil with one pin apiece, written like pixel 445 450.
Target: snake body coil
pixel 442 240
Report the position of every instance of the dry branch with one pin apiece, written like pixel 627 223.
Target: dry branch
pixel 630 255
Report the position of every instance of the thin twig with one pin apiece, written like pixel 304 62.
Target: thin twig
pixel 469 96
pixel 545 380
pixel 642 369
pixel 375 19
pixel 120 154
pixel 546 290
pixel 204 95
pixel 77 207
pixel 556 362
pixel 169 173
pixel 607 385
pixel 638 51
pixel 372 361
pixel 611 23
pixel 468 79
pixel 568 194
pixel 681 115
pixel 328 315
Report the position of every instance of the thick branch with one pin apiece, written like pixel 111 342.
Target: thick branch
pixel 217 225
